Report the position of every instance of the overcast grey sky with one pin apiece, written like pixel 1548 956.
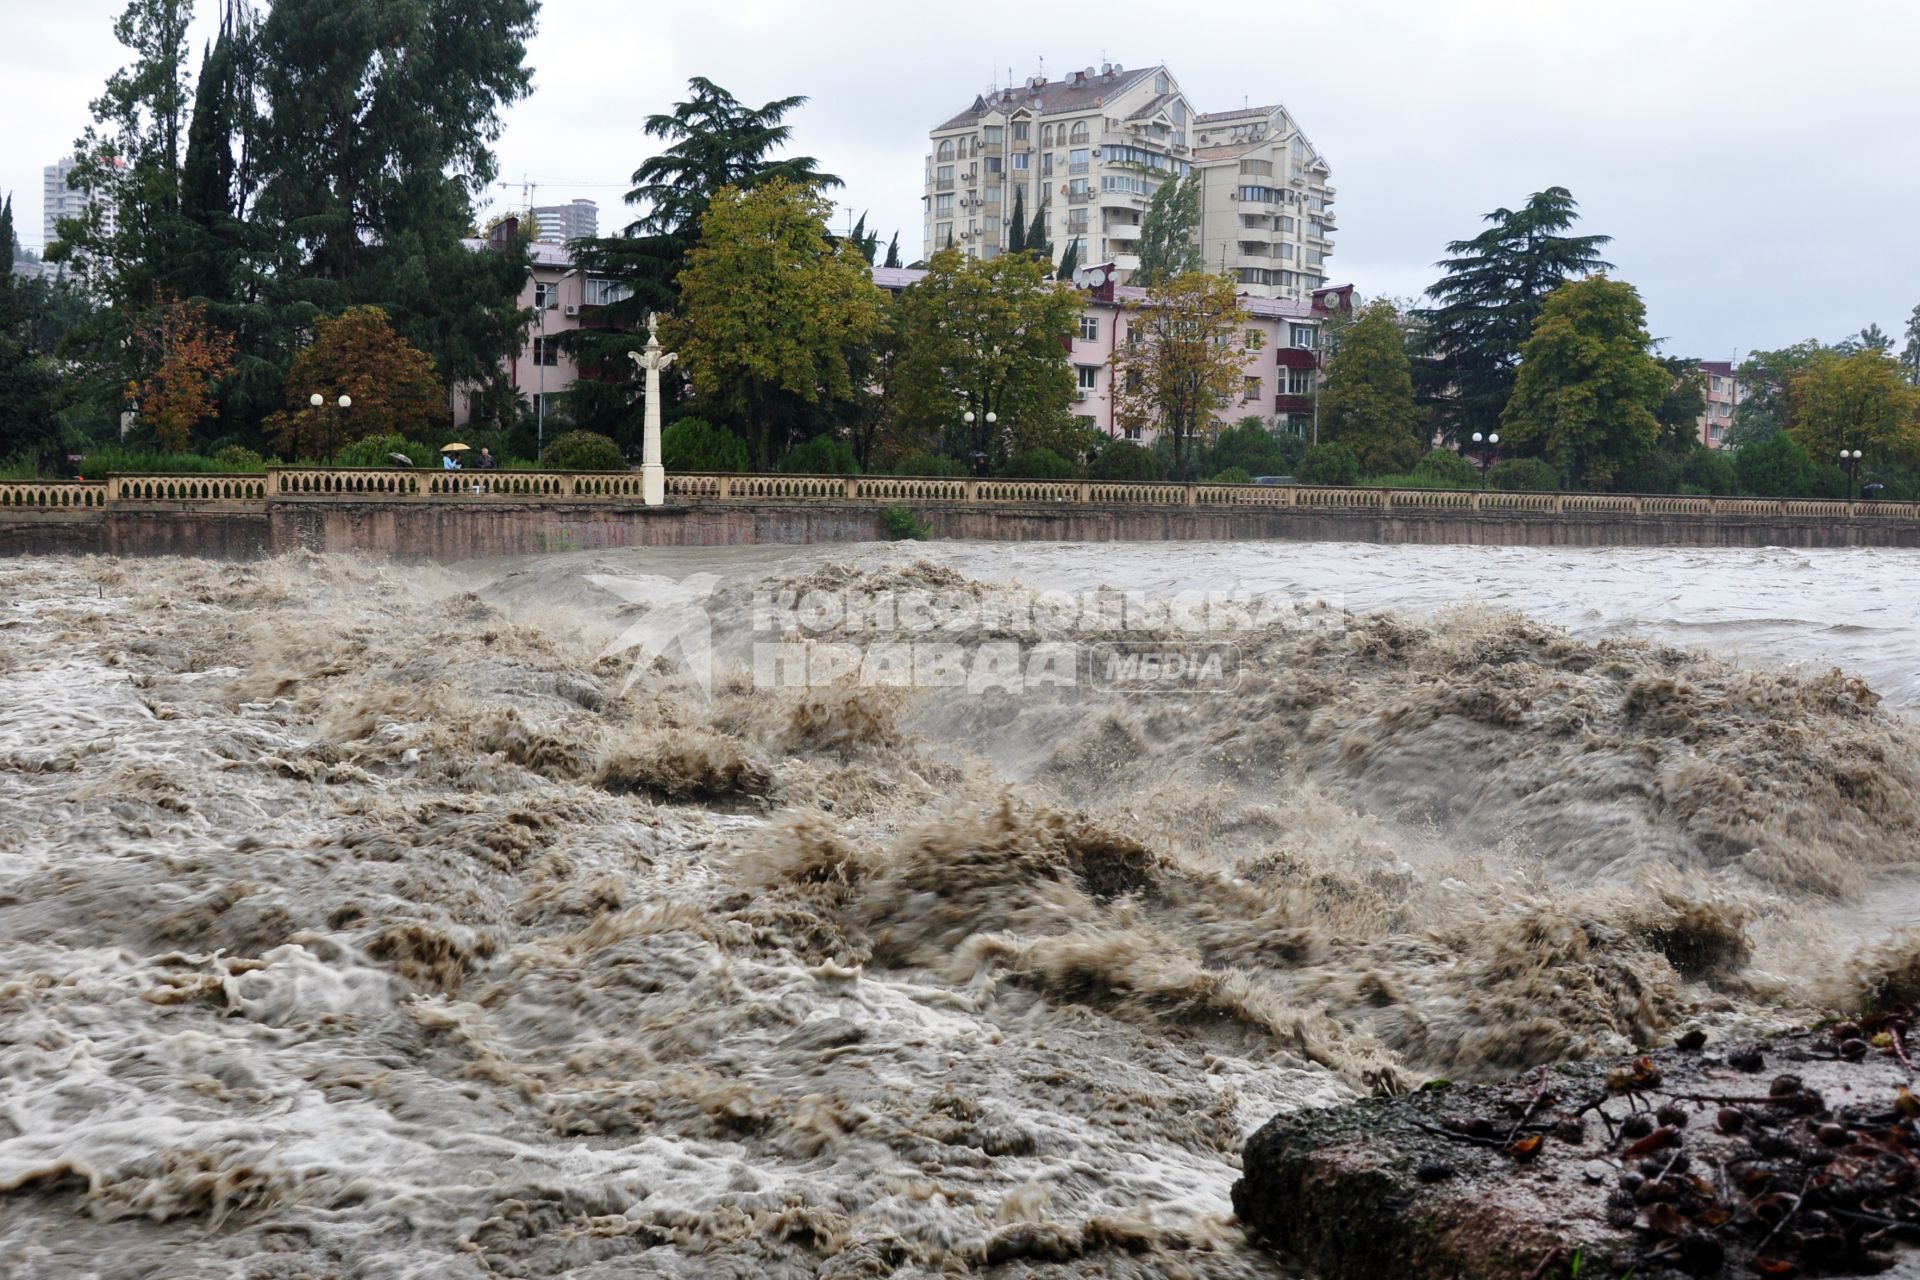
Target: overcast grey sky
pixel 1757 162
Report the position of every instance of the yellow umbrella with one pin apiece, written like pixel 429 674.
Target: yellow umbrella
pixel 453 448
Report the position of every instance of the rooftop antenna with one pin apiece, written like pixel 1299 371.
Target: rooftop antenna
pixel 1043 66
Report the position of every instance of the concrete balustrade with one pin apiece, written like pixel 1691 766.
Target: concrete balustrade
pixel 55 495
pixel 397 484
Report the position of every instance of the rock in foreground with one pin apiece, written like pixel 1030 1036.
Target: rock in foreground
pixel 1796 1156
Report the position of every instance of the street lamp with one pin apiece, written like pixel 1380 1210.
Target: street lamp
pixel 1851 461
pixel 979 454
pixel 540 362
pixel 1484 445
pixel 317 400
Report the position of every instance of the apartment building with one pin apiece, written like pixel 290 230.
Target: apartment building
pixel 1087 153
pixel 1723 399
pixel 60 200
pixel 1278 376
pixel 560 223
pixel 562 298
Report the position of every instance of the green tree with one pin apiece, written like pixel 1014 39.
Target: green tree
pixel 1775 466
pixel 1330 463
pixel 1017 223
pixel 986 337
pixel 1485 306
pixel 1069 261
pixel 1038 464
pixel 1763 377
pixel 1910 354
pixel 893 251
pixel 1170 232
pixel 27 424
pixel 693 444
pixel 1037 236
pixel 1859 401
pixel 1366 401
pixel 1184 357
pixel 1588 387
pixel 1446 468
pixel 773 313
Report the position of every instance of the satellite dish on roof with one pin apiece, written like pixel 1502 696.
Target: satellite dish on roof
pixel 1090 73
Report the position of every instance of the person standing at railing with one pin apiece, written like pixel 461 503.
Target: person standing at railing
pixel 449 463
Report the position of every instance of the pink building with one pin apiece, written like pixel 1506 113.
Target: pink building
pixel 1723 399
pixel 562 299
pixel 1283 350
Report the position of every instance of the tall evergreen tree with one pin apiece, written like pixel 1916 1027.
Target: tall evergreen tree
pixel 1069 261
pixel 715 141
pixel 1037 236
pixel 1485 306
pixel 1170 233
pixel 1017 224
pixel 893 251
pixel 26 375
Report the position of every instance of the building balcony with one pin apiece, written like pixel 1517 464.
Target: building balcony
pixel 1080 197
pixel 943 184
pixel 1296 357
pixel 1292 404
pixel 1082 167
pixel 1255 249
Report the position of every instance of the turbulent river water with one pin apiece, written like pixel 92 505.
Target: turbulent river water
pixel 510 919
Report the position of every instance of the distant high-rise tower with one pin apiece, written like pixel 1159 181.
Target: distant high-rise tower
pixel 58 200
pixel 575 220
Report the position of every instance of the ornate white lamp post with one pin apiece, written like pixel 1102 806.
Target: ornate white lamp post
pixel 653 476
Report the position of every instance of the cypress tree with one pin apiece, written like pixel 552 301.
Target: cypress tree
pixel 1017 225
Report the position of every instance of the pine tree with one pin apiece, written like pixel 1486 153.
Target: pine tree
pixel 1495 288
pixel 1069 261
pixel 1017 224
pixel 1037 236
pixel 893 251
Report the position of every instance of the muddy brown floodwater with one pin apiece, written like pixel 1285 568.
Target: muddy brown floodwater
pixel 360 920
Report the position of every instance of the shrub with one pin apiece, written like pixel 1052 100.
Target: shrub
pixel 1124 460
pixel 1517 474
pixel 1331 463
pixel 1232 475
pixel 1039 464
pixel 372 451
pixel 1250 446
pixel 583 451
pixel 903 525
pixel 926 464
pixel 1447 468
pixel 694 444
pixel 820 456
pixel 237 457
pixel 102 462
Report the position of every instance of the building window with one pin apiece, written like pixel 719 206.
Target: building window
pixel 546 351
pixel 1090 328
pixel 1077 160
pixel 943 204
pixel 1299 382
pixel 943 235
pixel 1046 163
pixel 1022 131
pixel 1076 222
pixel 1046 135
pixel 1303 336
pixel 1286 223
pixel 546 295
pixel 1131 433
pixel 1135 380
pixel 1079 133
pixel 1161 84
pixel 1089 374
pixel 945 173
pixel 1286 250
pixel 993 195
pixel 946 150
pixel 1252 390
pixel 993 164
pixel 1255 340
pixel 996 134
pixel 1020 161
pixel 601 292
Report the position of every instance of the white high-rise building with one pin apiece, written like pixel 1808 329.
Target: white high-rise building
pixel 560 223
pixel 59 200
pixel 1088 152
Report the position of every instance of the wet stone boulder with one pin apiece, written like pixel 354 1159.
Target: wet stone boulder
pixel 1794 1156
